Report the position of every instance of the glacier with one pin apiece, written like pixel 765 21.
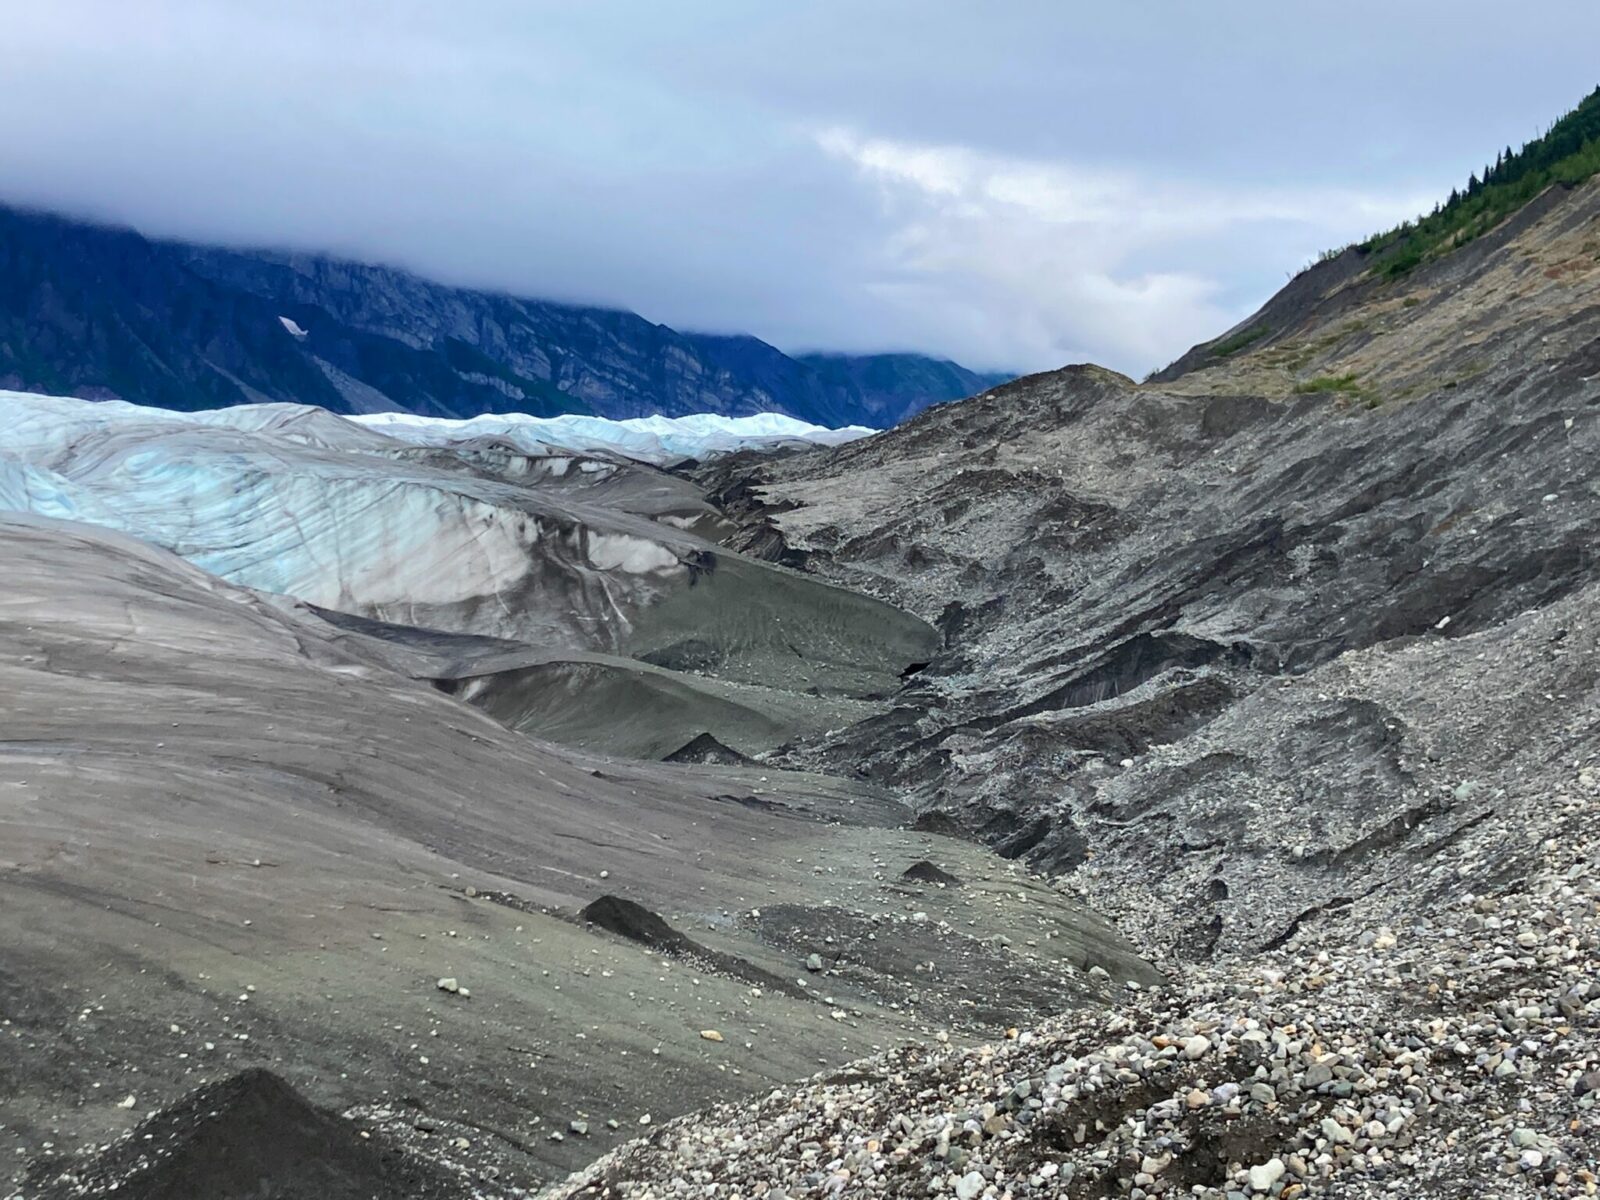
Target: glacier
pixel 660 441
pixel 297 501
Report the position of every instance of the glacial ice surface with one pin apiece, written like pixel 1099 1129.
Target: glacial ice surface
pixel 657 440
pixel 297 501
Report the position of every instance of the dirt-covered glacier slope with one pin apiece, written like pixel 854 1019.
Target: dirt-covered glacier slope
pixel 232 837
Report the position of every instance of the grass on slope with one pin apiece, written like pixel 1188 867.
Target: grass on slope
pixel 1569 153
pixel 1232 345
pixel 1328 383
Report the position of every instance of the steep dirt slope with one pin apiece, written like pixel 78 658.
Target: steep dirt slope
pixel 1525 291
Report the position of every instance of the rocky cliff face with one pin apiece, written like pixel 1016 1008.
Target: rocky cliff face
pixel 103 313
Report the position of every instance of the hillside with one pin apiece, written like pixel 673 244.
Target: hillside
pixel 1295 679
pixel 1567 154
pixel 105 313
pixel 1517 246
pixel 1122 570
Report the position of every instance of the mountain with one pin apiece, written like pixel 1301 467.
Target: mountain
pixel 891 386
pixel 99 312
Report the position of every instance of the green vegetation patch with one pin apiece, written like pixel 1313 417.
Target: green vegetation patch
pixel 1568 153
pixel 1236 343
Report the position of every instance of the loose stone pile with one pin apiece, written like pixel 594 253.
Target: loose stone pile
pixel 1457 1055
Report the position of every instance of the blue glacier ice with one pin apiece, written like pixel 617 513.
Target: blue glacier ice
pixel 300 502
pixel 657 440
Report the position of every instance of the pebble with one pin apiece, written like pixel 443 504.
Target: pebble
pixel 1262 1177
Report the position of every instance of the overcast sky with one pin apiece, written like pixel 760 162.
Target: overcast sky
pixel 1011 183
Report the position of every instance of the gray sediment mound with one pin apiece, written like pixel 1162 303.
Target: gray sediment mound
pixel 620 706
pixel 706 749
pixel 252 1137
pixel 923 871
pixel 636 923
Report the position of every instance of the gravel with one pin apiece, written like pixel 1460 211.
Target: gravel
pixel 1455 1055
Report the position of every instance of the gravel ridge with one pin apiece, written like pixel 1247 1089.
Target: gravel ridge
pixel 1457 1054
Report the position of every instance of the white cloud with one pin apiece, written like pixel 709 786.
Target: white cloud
pixel 714 165
pixel 1048 262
